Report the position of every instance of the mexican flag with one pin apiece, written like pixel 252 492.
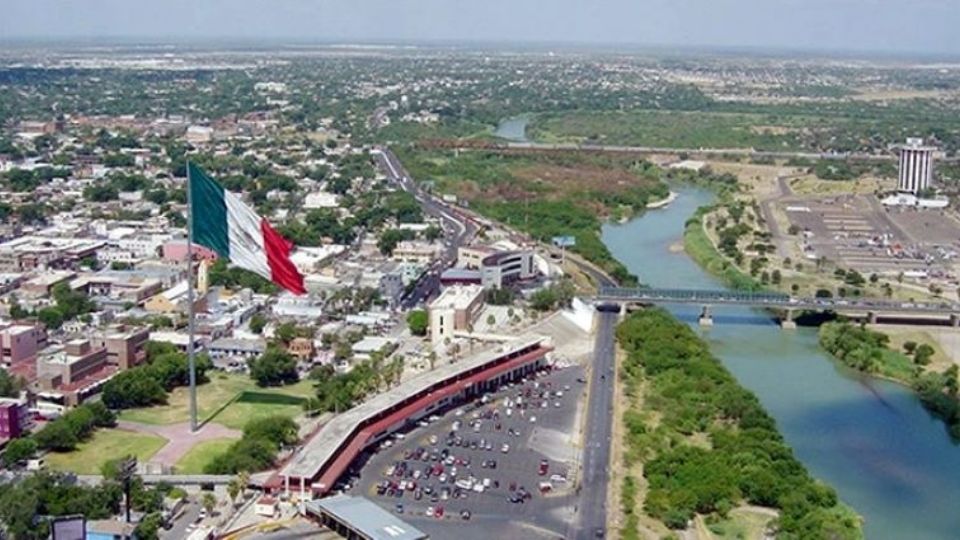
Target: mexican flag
pixel 225 224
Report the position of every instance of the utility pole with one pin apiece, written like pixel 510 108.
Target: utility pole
pixel 127 469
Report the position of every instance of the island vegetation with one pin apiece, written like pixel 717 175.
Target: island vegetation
pixel 705 445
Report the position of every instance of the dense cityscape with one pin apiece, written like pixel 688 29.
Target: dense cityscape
pixel 410 292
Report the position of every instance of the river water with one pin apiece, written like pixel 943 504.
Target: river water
pixel 871 440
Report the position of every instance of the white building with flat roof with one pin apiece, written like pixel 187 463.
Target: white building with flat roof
pixel 454 310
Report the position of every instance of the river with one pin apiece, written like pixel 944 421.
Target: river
pixel 513 128
pixel 871 440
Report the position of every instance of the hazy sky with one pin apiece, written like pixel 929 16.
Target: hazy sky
pixel 930 26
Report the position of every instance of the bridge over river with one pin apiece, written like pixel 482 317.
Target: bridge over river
pixel 871 309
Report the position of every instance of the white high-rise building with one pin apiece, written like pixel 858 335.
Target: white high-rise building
pixel 916 166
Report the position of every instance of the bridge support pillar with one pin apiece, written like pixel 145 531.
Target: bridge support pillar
pixel 788 323
pixel 955 320
pixel 706 317
pixel 871 317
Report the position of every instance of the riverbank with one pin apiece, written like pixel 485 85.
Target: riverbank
pixel 705 445
pixel 868 351
pixel 698 245
pixel 870 439
pixel 663 203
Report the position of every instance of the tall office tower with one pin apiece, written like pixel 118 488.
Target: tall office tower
pixel 916 166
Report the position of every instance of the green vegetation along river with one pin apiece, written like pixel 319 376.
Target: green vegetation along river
pixel 872 440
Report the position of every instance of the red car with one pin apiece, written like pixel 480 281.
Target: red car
pixel 544 467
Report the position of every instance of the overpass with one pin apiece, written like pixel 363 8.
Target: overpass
pixel 870 308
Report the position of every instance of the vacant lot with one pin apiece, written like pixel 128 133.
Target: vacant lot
pixel 103 446
pixel 229 399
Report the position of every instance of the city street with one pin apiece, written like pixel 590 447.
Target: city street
pixel 457 229
pixel 596 458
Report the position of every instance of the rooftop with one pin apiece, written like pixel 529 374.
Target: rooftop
pixel 321 448
pixel 459 297
pixel 367 518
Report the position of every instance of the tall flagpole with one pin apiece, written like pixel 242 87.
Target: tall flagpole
pixel 191 353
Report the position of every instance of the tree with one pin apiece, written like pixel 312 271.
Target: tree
pixel 19 450
pixel 274 367
pixel 10 386
pixel 209 502
pixel 149 526
pixel 909 346
pixel 257 323
pixel 923 354
pixel 57 436
pixel 233 490
pixel 286 332
pixel 491 320
pixel 390 238
pixel 50 317
pixel 418 321
pixel 279 430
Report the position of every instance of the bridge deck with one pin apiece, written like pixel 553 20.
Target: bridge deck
pixel 768 299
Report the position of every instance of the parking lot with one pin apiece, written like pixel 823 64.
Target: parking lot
pixel 505 464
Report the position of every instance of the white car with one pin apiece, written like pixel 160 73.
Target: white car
pixel 429 511
pixel 505 448
pixel 533 419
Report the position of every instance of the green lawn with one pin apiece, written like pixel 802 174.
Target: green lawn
pixel 103 446
pixel 197 458
pixel 222 389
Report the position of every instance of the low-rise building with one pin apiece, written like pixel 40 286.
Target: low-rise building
pixel 70 373
pixel 21 342
pixel 414 251
pixel 454 310
pixel 15 418
pixel 302 348
pixel 227 353
pixel 126 347
pixel 503 268
pixel 175 300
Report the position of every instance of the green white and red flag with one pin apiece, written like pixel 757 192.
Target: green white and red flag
pixel 225 224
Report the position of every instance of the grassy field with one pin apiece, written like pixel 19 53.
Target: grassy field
pixel 103 446
pixel 232 398
pixel 197 458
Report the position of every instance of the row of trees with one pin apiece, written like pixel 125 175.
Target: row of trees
pixel 745 461
pixel 62 434
pixel 148 384
pixel 257 449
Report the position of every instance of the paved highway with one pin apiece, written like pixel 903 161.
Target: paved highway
pixel 596 438
pixel 458 229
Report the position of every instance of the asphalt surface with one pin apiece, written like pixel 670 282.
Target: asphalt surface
pixel 599 425
pixel 458 229
pixel 547 516
pixel 185 521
